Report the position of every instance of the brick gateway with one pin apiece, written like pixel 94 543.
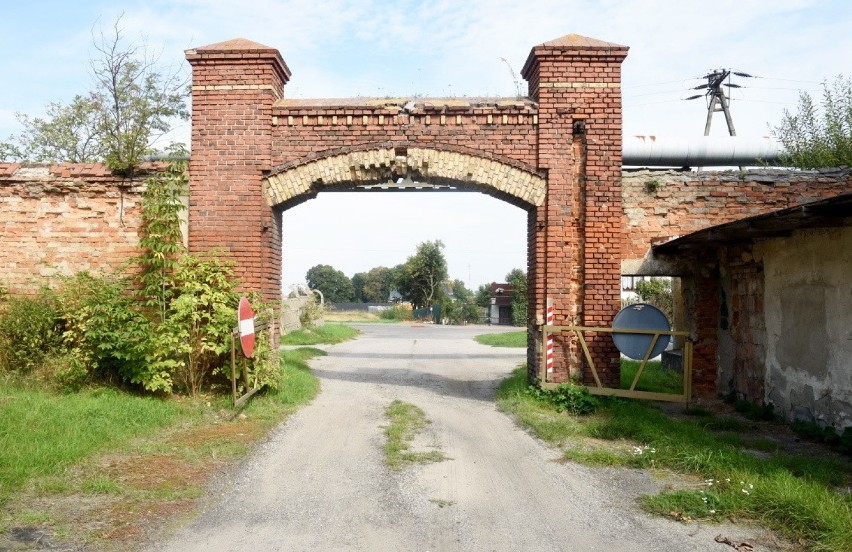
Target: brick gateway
pixel 555 154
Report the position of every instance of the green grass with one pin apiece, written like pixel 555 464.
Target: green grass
pixel 792 494
pixel 653 377
pixel 507 339
pixel 298 386
pixel 405 421
pixel 327 334
pixel 43 433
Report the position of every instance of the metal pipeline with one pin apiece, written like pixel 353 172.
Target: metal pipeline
pixel 648 151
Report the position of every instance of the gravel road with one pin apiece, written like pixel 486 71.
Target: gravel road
pixel 320 483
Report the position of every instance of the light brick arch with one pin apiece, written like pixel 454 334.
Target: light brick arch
pixel 380 165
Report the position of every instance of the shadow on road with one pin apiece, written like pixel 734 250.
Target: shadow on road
pixel 477 389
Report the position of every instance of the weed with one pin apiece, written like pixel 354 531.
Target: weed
pixel 405 421
pixel 397 313
pixel 652 185
pixel 567 397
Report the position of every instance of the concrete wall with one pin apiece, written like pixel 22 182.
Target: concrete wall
pixel 808 316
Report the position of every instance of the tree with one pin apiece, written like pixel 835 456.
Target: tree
pixel 68 133
pixel 335 286
pixel 462 308
pixel 816 138
pixel 483 296
pixel 657 292
pixel 517 278
pixel 358 281
pixel 423 274
pixel 131 105
pixel 378 283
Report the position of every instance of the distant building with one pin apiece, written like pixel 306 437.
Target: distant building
pixel 500 309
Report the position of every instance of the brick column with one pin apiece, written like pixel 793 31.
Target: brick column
pixel 234 86
pixel 577 235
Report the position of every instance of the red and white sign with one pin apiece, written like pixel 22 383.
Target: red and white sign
pixel 245 315
pixel 549 322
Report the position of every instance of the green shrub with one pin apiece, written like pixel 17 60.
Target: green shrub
pixel 28 331
pixel 312 313
pixel 106 338
pixel 567 397
pixel 398 313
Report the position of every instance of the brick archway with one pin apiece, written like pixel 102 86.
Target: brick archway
pixel 385 164
pixel 555 153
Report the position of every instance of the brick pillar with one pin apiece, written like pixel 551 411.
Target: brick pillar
pixel 234 86
pixel 578 233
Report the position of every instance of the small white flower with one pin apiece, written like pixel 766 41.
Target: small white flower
pixel 745 491
pixel 712 511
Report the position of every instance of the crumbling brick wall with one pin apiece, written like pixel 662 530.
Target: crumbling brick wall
pixel 60 219
pixel 661 204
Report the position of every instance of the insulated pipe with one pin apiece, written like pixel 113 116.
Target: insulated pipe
pixel 648 151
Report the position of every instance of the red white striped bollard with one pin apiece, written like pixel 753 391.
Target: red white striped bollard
pixel 549 322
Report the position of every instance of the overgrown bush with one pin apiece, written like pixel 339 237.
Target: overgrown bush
pixel 168 330
pixel 192 341
pixel 105 336
pixel 312 312
pixel 28 331
pixel 398 313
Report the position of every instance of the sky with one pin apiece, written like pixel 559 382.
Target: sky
pixel 443 48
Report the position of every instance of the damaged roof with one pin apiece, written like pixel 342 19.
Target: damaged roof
pixel 825 213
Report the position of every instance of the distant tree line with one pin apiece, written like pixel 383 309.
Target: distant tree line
pixel 422 280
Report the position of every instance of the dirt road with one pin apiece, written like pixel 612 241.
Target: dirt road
pixel 320 483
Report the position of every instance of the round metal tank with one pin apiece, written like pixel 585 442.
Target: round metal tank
pixel 640 316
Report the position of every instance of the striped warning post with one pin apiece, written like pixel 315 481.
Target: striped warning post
pixel 549 322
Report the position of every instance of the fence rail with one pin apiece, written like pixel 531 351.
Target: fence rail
pixel 632 393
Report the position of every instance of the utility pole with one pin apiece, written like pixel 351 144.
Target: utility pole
pixel 716 98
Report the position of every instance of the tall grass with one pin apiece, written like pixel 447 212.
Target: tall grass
pixel 796 495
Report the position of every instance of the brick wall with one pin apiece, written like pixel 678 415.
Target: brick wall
pixel 234 85
pixel 660 204
pixel 247 137
pixel 577 83
pixel 60 219
pixel 744 292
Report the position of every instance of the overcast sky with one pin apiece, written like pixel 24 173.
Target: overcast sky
pixel 443 48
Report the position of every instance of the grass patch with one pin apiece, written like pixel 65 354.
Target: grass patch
pixel 43 433
pixel 101 463
pixel 405 421
pixel 654 378
pixel 325 334
pixel 506 339
pixel 795 495
pixel 357 316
